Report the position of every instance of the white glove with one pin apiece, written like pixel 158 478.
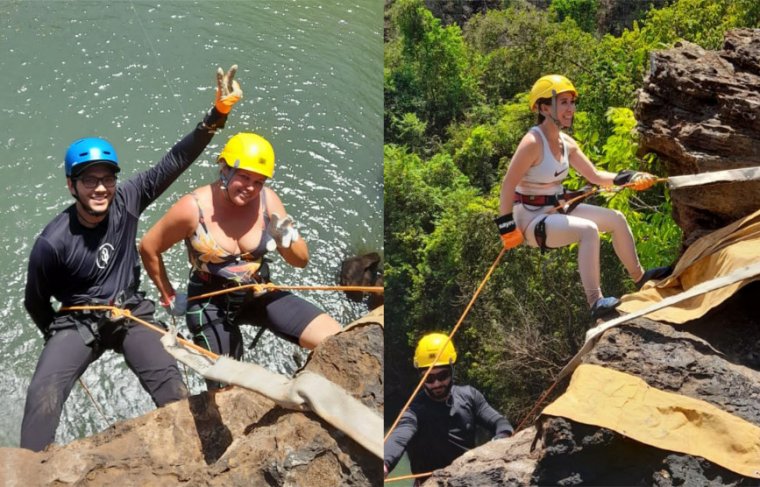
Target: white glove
pixel 177 305
pixel 283 232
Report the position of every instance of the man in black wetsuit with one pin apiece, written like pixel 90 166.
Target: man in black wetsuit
pixel 440 423
pixel 88 256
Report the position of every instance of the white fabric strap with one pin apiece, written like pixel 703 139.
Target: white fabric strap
pixel 307 391
pixel 736 175
pixel 593 334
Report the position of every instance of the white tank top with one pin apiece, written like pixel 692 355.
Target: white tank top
pixel 549 171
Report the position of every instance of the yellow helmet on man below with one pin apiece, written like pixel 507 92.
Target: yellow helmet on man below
pixel 251 152
pixel 428 348
pixel 545 85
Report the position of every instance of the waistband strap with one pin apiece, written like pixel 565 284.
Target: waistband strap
pixel 537 199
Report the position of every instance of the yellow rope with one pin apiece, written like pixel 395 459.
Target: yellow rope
pixel 118 313
pixel 406 477
pixel 125 313
pixel 270 286
pixel 467 309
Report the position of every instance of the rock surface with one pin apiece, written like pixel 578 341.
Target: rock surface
pixel 363 270
pixel 714 359
pixel 233 437
pixel 699 111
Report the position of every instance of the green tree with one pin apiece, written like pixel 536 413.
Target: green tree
pixel 442 182
pixel 428 72
pixel 516 46
pixel 583 12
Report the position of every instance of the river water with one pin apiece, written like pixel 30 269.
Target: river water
pixel 141 74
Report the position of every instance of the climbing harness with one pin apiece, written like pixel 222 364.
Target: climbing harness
pixel 539 232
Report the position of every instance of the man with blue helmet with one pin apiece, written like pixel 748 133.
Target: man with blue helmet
pixel 87 256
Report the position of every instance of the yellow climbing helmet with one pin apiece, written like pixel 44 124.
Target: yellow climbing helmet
pixel 428 348
pixel 545 85
pixel 251 152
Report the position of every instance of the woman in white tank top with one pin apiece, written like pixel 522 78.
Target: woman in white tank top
pixel 532 187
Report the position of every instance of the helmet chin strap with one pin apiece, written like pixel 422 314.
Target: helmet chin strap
pixel 225 181
pixel 553 113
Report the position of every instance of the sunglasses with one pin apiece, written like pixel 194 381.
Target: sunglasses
pixel 91 182
pixel 438 377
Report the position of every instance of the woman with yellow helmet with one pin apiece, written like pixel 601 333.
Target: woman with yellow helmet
pixel 532 187
pixel 228 226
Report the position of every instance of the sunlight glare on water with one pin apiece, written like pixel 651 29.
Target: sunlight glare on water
pixel 141 74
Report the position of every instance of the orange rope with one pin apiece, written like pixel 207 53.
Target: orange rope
pixel 261 287
pixel 118 312
pixel 406 477
pixel 456 327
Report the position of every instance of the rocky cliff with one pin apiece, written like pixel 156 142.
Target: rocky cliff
pixel 232 437
pixel 699 111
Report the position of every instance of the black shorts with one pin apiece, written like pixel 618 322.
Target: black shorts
pixel 214 322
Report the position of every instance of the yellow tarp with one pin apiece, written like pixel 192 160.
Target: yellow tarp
pixel 626 404
pixel 713 255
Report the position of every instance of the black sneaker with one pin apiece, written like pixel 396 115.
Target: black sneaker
pixel 656 273
pixel 604 306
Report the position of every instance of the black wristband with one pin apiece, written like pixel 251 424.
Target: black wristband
pixel 624 177
pixel 213 121
pixel 505 223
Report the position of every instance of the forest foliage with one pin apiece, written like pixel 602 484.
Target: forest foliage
pixel 455 110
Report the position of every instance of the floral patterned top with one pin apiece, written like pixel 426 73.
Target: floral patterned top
pixel 206 255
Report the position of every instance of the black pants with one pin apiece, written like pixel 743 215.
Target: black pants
pixel 65 358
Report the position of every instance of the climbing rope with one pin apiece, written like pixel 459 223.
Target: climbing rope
pixel 93 401
pixel 270 286
pixel 117 313
pixel 593 334
pixel 440 351
pixel 743 174
pixel 407 477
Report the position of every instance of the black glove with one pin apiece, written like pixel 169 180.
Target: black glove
pixel 511 236
pixel 624 177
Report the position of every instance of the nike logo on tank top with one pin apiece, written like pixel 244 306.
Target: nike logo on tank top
pixel 549 170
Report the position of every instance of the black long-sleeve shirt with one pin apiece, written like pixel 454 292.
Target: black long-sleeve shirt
pixel 435 433
pixel 80 265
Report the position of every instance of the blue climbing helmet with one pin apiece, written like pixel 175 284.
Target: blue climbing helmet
pixel 87 151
